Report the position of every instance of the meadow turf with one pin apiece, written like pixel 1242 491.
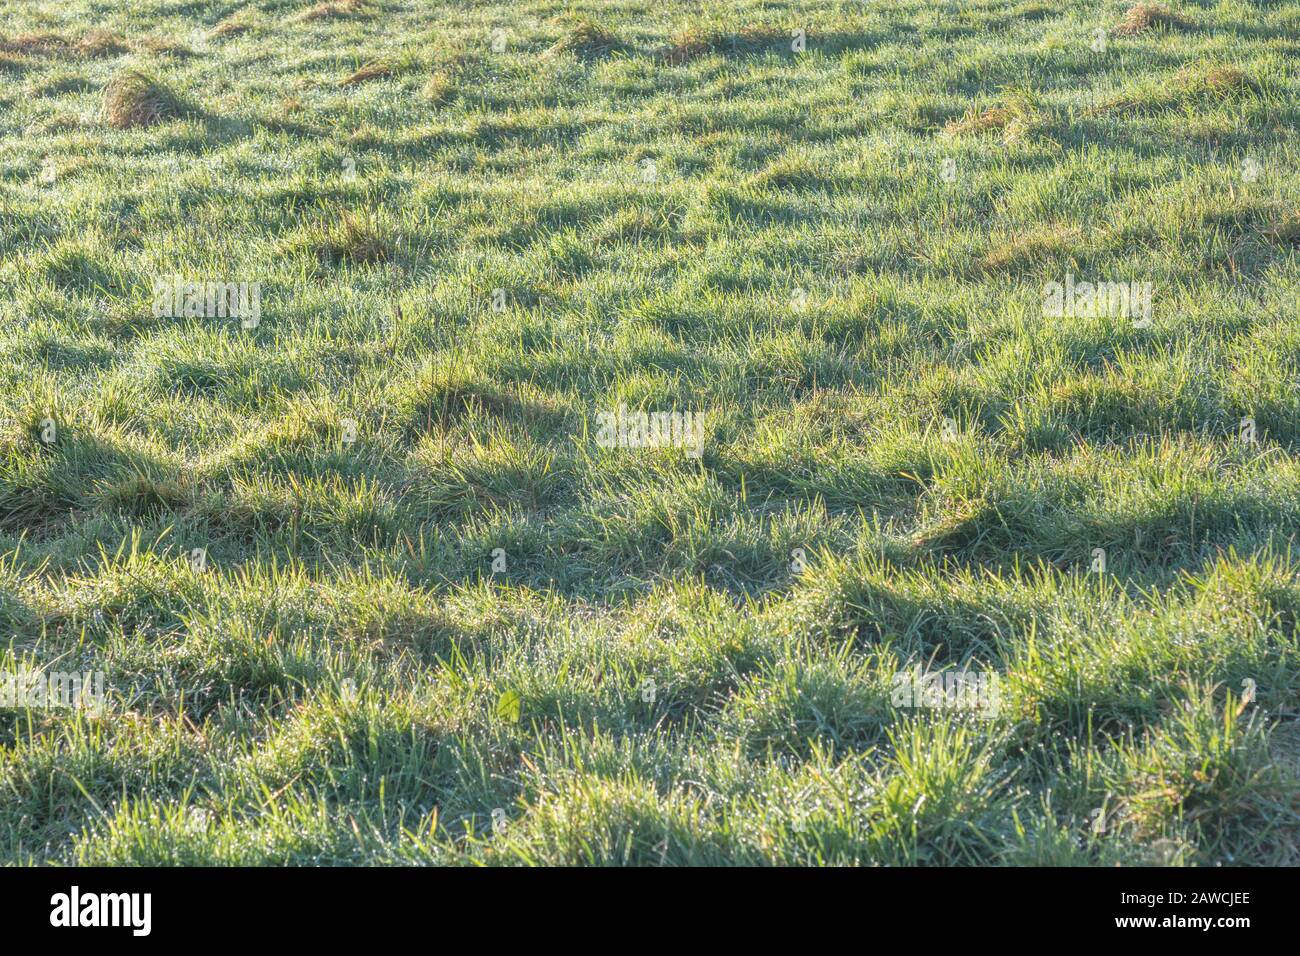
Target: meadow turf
pixel 472 634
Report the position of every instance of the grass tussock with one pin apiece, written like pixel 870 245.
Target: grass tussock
pixel 162 46
pixel 101 43
pixel 135 98
pixel 1286 231
pixel 1145 16
pixel 36 44
pixel 374 70
pixel 1032 250
pixel 1013 121
pixel 695 42
pixel 440 87
pixel 586 39
pixel 1199 86
pixel 351 238
pixel 336 9
pixel 242 21
pixel 450 70
pixel 1217 81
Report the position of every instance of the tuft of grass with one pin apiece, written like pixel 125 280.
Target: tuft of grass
pixel 1144 16
pixel 99 43
pixel 1286 231
pixel 374 70
pixel 351 238
pixel 1217 81
pixel 239 22
pixel 142 494
pixel 449 71
pixel 162 46
pixel 586 39
pixel 135 98
pixel 1032 250
pixel 1198 85
pixel 335 9
pixel 1013 120
pixel 38 44
pixel 694 42
pixel 993 118
pixel 441 86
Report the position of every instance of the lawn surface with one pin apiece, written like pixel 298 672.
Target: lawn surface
pixel 433 620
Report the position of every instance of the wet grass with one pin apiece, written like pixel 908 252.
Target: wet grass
pixel 436 621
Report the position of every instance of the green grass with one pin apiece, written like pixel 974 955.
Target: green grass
pixel 835 257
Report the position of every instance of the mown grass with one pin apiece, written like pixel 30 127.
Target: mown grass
pixel 475 230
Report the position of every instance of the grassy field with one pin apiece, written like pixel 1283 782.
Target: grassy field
pixel 368 581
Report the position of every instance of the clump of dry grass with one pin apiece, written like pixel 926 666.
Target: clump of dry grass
pixel 586 39
pixel 95 43
pixel 440 86
pixel 356 239
pixel 134 98
pixel 241 21
pixel 1144 16
pixel 331 9
pixel 374 70
pixel 1192 83
pixel 162 46
pixel 42 43
pixel 100 42
pixel 447 75
pixel 1217 81
pixel 979 121
pixel 1286 231
pixel 1012 120
pixel 1047 244
pixel 695 42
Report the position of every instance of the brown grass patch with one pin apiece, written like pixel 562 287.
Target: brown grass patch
pixel 586 39
pixel 1013 120
pixel 35 44
pixel 695 42
pixel 1144 16
pixel 375 70
pixel 100 42
pixel 357 239
pixel 1286 232
pixel 333 9
pixel 134 98
pixel 979 121
pixel 1047 244
pixel 162 46
pixel 95 43
pixel 241 21
pixel 1222 81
